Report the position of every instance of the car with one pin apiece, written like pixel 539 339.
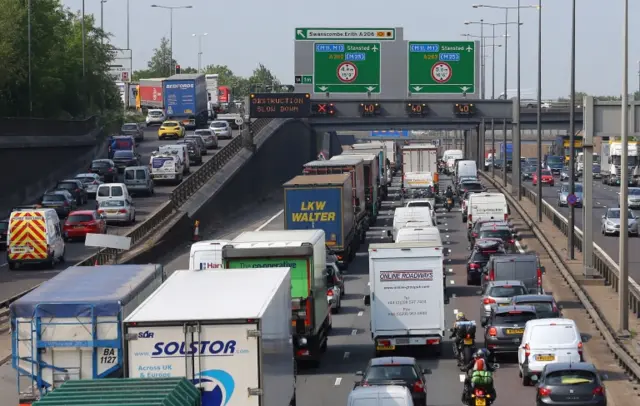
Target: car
pixel 123 159
pixel 117 211
pixel 463 179
pixel 404 371
pixel 480 254
pixel 209 137
pixel 501 231
pixel 75 187
pixel 563 195
pixel 633 198
pixel 91 181
pixel 570 383
pixel 200 141
pixel 155 116
pixel 134 130
pixel 470 186
pixel 195 155
pixel 82 222
pixel 4 229
pixel 545 305
pixel 105 168
pixel 171 129
pixel 505 327
pixel 472 233
pixel 564 174
pixel 221 129
pixel 335 287
pixel 497 163
pixel 498 293
pixel 596 170
pixel 528 171
pixel 547 178
pixel 610 223
pixel 61 201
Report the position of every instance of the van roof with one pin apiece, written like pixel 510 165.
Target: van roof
pixel 209 243
pixel 406 244
pixel 551 321
pixel 336 179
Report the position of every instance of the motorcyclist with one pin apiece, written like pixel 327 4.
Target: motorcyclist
pixel 480 364
pixel 449 194
pixel 456 334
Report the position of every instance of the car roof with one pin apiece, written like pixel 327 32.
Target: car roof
pixel 130 123
pixel 102 160
pixel 533 298
pixel 219 121
pixel 68 180
pixel 82 212
pixel 514 308
pixel 88 174
pixel 171 121
pixel 58 192
pixel 392 360
pixel 494 226
pixel 568 366
pixel 492 284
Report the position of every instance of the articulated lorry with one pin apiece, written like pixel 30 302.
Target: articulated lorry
pixel 77 317
pixel 380 149
pixel 371 184
pixel 420 158
pixel 610 169
pixel 303 251
pixel 185 99
pixel 325 202
pixel 213 104
pixel 150 93
pixel 228 332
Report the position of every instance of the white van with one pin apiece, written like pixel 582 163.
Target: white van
pixel 382 395
pixel 182 152
pixel 424 202
pixel 207 255
pixel 112 191
pixel 417 233
pixel 547 341
pixel 490 206
pixel 403 215
pixel 34 236
pixel 166 166
pixel 466 169
pixel 452 154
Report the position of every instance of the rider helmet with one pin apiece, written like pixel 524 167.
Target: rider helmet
pixel 460 316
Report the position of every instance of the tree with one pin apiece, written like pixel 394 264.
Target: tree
pixel 263 80
pixel 225 75
pixel 160 65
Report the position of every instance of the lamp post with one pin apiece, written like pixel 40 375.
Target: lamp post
pixel 84 68
pixel 623 281
pixel 572 137
pixel 170 8
pixel 102 19
pixel 199 48
pixel 539 115
pixel 493 57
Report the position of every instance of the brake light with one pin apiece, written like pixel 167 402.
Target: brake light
pixel 465 191
pixel 546 392
pixel 492 275
pixel 470 218
pixel 539 276
pixel 78 190
pixel 527 350
pixel 506 216
pixel 515 312
pixel 475 235
pixel 364 383
pixel 479 392
pixel 512 241
pixel 418 387
pixel 468 336
pixel 599 391
pixel 100 211
pixel 329 292
pixel 474 266
pixel 555 308
pixel 493 331
pixel 488 301
pixel 122 211
pixel 580 348
pixel 384 343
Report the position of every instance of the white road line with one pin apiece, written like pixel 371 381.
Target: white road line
pixel 455 311
pixel 346 355
pixel 462 377
pixel 450 270
pixel 360 314
pixel 452 282
pixel 354 331
pixel 520 249
pixel 270 220
pixel 338 380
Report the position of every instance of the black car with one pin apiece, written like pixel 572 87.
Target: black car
pixel 505 327
pixel 4 230
pixel 501 231
pixel 528 171
pixel 472 233
pixel 125 158
pixel 465 187
pixel 545 305
pixel 61 201
pixel 403 371
pixel 575 383
pixel 76 188
pixel 134 130
pixel 106 168
pixel 195 155
pixel 480 254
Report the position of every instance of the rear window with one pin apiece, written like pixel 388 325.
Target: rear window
pixel 507 291
pixel 218 125
pixel 80 218
pixel 419 204
pixel 391 372
pixel 117 191
pixel 123 154
pixel 112 203
pixel 53 198
pixel 129 175
pixel 103 191
pixel 502 234
pixel 203 132
pixel 554 334
pixel 141 174
pixel 85 179
pixel 100 164
pixel 129 127
pixel 66 185
pixel 472 186
pixel 173 124
pixel 520 317
pixel 542 308
pixel 571 377
pixel 481 256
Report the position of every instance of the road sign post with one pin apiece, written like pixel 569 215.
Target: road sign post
pixel 441 67
pixel 346 67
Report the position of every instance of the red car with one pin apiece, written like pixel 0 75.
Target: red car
pixel 81 222
pixel 547 177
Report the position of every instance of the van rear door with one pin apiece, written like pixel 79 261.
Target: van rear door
pixel 505 269
pixel 526 270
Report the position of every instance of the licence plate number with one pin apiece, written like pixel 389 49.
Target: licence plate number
pixel 383 348
pixel 20 249
pixel 468 341
pixel 512 331
pixel 163 176
pixel 402 341
pixel 549 357
pixel 112 211
pixel 503 304
pixel 481 402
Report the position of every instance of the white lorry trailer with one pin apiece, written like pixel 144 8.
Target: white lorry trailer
pixel 407 296
pixel 70 327
pixel 227 332
pixel 420 158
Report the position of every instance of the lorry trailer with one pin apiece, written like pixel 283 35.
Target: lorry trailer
pixel 376 148
pixel 186 99
pixel 371 184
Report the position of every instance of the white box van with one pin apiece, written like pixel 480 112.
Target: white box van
pixel 490 206
pixel 182 152
pixel 547 341
pixel 207 254
pixel 466 169
pixel 383 395
pixel 403 215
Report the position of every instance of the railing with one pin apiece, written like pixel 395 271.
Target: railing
pixel 608 269
pixel 24 126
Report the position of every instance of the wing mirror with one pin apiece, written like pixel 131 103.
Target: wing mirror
pixel 367 300
pixel 543 269
pixel 604 217
pixel 446 252
pixel 426 371
pixel 534 378
pixel 389 234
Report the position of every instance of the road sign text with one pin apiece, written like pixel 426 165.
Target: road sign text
pixel 279 105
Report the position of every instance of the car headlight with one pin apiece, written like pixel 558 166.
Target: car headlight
pixel 610 223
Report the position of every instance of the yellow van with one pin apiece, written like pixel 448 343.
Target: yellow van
pixel 34 237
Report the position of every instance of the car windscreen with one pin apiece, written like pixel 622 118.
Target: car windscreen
pixel 391 372
pixel 53 198
pixel 80 218
pixel 514 317
pixel 218 125
pixel 507 291
pixel 123 154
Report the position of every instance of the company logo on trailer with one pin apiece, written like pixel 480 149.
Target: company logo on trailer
pixel 217 348
pixel 393 276
pixel 180 86
pixel 217 387
pixel 145 334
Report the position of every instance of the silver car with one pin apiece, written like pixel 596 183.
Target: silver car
pixel 91 181
pixel 633 199
pixel 563 194
pixel 117 211
pixel 610 223
pixel 499 293
pixel 221 129
pixel 209 138
pixel 155 116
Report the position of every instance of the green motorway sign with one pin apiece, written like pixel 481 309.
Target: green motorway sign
pixel 442 67
pixel 345 34
pixel 347 67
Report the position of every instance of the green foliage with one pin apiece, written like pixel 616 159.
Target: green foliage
pixel 159 66
pixel 59 89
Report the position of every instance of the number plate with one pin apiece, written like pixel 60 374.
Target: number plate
pixel 481 402
pixel 503 304
pixel 19 249
pixel 512 331
pixel 468 341
pixel 402 341
pixel 383 348
pixel 546 357
pixel 112 211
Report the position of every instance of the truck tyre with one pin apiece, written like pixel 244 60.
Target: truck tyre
pixel 293 400
pixel 12 265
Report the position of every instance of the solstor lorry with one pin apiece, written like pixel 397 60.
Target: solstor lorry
pixel 303 251
pixel 70 327
pixel 227 332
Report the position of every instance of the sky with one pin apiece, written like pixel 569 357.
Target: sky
pixel 242 34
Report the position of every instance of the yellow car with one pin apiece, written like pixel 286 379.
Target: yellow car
pixel 171 129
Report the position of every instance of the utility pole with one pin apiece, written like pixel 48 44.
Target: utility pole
pixel 623 280
pixel 102 20
pixel 29 57
pixel 572 136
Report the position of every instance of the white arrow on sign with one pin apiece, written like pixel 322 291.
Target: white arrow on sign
pixel 323 88
pixel 465 88
pixel 300 33
pixel 371 88
pixel 374 49
pixel 417 88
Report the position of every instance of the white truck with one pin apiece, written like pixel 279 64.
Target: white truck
pixel 610 169
pixel 227 332
pixel 166 166
pixel 449 156
pixel 420 158
pixel 407 296
pixel 211 80
pixel 70 327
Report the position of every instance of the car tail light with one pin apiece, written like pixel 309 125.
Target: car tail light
pixel 329 292
pixel 493 331
pixel 488 301
pixel 492 274
pixel 580 348
pixel 475 235
pixel 474 266
pixel 364 383
pixel 527 350
pixel 384 343
pixel 100 211
pixel 539 276
pixel 512 241
pixel 546 391
pixel 470 218
pixel 599 391
pixel 506 216
pixel 78 190
pixel 418 387
pixel 122 211
pixel 555 308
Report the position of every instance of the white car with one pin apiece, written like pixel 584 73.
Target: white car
pixel 221 129
pixel 117 211
pixel 91 181
pixel 209 137
pixel 155 116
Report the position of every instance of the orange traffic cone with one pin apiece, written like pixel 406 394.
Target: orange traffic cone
pixel 196 231
pixel 96 263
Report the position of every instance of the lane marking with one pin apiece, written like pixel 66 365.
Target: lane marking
pixel 354 331
pixel 270 220
pixel 520 249
pixel 450 270
pixel 360 314
pixel 462 378
pixel 452 282
pixel 346 355
pixel 337 382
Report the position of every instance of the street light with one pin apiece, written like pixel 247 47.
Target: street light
pixel 199 48
pixel 539 115
pixel 623 284
pixel 102 18
pixel 171 8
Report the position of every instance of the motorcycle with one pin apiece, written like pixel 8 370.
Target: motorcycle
pixel 466 351
pixel 449 203
pixel 480 397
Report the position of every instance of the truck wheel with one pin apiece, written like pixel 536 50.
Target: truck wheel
pixel 12 266
pixel 293 401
